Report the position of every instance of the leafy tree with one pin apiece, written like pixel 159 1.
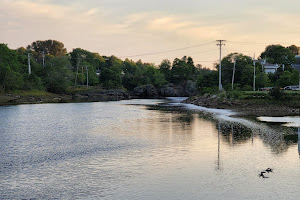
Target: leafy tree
pixel 110 78
pixel 294 49
pixel 247 77
pixel 288 78
pixel 79 56
pixel 181 71
pixel 207 78
pixel 58 74
pixel 115 64
pixel 262 80
pixel 50 47
pixel 10 69
pixel 21 50
pixel 277 54
pixel 241 71
pixel 165 68
pixel 154 76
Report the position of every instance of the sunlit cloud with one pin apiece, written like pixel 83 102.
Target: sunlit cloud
pixel 128 28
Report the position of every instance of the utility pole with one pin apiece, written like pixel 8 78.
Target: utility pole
pixel 233 73
pixel 87 76
pixel 254 73
pixel 77 66
pixel 43 58
pixel 29 67
pixel 220 43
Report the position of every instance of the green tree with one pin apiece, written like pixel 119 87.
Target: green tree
pixel 154 76
pixel 49 47
pixel 115 64
pixel 110 79
pixel 294 49
pixel 262 80
pixel 247 77
pixel 165 68
pixel 207 78
pixel 11 69
pixel 288 78
pixel 181 71
pixel 241 71
pixel 277 54
pixel 58 74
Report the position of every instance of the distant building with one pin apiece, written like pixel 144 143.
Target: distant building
pixel 98 72
pixel 269 68
pixel 297 63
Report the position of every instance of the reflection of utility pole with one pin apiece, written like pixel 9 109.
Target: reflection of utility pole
pixel 233 73
pixel 220 43
pixel 218 163
pixel 29 67
pixel 299 140
pixel 232 135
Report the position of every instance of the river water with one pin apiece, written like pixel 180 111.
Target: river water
pixel 143 149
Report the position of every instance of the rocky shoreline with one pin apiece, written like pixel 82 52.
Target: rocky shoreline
pixel 243 108
pixel 100 94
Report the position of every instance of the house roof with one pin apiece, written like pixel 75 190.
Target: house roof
pixel 270 66
pixel 296 66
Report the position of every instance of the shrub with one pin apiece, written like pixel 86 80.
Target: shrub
pixel 276 93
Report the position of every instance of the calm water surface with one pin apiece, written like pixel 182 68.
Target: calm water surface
pixel 128 150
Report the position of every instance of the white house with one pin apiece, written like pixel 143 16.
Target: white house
pixel 269 68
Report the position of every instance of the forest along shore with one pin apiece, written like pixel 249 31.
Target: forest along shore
pixel 247 107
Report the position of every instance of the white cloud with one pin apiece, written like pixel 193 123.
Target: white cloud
pixel 109 27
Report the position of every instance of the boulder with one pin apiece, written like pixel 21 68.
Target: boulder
pixel 147 91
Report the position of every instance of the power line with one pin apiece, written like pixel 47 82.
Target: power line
pixel 262 43
pixel 161 52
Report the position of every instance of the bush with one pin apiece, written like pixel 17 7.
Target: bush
pixel 247 88
pixel 276 93
pixel 209 90
pixel 234 94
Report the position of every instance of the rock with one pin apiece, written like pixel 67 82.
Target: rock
pixel 145 91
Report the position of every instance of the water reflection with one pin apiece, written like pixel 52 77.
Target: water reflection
pixel 234 131
pixel 293 122
pixel 114 150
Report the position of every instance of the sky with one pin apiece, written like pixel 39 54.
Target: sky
pixel 153 30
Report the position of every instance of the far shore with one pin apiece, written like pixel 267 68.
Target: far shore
pixel 245 108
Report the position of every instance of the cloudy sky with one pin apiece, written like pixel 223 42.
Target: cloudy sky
pixel 160 28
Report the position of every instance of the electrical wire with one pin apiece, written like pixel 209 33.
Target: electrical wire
pixel 161 52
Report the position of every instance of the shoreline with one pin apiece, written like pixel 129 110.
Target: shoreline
pixel 244 108
pixel 87 96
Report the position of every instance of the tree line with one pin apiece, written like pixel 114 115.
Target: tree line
pixel 55 70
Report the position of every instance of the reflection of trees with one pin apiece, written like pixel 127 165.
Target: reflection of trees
pixel 235 133
pixel 274 136
pixel 186 117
